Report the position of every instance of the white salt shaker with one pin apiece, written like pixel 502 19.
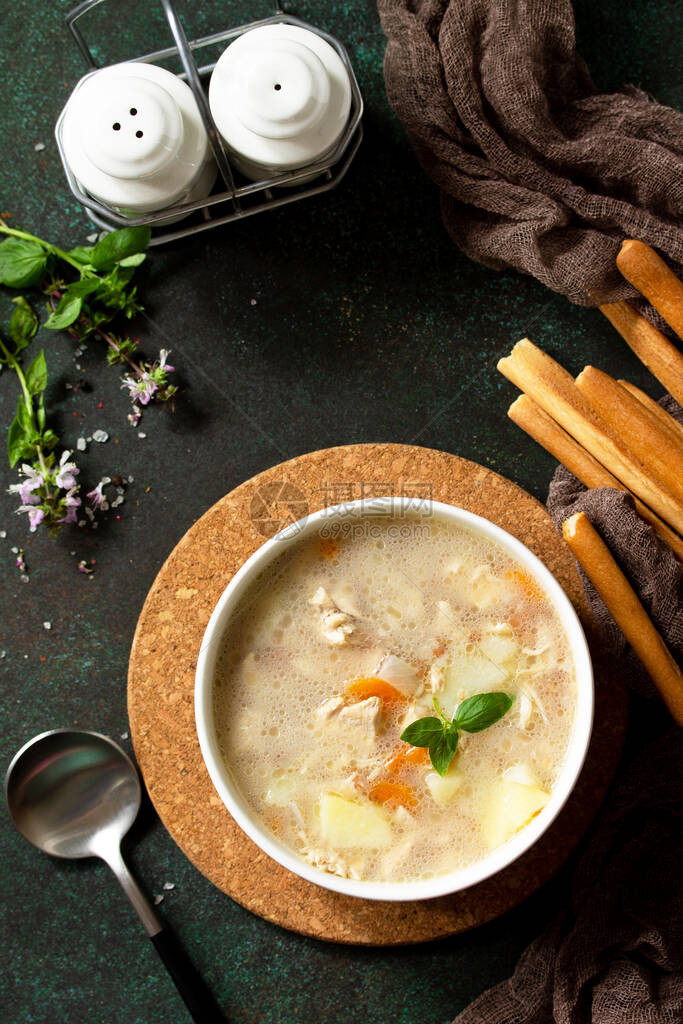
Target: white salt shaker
pixel 281 97
pixel 133 137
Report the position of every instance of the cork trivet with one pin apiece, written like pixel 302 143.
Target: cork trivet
pixel 161 690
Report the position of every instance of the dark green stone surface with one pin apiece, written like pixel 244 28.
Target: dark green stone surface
pixel 368 326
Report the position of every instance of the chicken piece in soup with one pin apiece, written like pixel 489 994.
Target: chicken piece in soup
pixel 341 645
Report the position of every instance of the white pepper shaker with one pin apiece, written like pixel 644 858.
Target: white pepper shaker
pixel 133 137
pixel 281 97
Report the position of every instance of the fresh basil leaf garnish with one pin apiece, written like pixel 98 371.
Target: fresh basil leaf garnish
pixel 442 750
pixel 423 732
pixel 482 710
pixel 441 735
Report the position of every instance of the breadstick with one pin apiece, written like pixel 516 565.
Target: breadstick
pixel 553 388
pixel 543 428
pixel 648 272
pixel 661 357
pixel 635 426
pixel 666 420
pixel 622 603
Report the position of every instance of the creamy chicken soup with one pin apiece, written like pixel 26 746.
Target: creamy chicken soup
pixel 345 641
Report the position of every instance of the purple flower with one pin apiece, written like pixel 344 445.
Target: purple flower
pixel 146 388
pixel 163 365
pixel 135 416
pixel 141 388
pixel 96 497
pixel 35 518
pixel 70 517
pixel 71 503
pixel 25 489
pixel 67 472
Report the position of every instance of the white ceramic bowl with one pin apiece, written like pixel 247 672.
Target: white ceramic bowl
pixel 229 791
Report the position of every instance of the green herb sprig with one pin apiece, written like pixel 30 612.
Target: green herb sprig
pixel 28 436
pixel 440 735
pixel 87 288
pixel 47 488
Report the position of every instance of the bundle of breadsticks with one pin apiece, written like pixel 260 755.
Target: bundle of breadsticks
pixel 609 433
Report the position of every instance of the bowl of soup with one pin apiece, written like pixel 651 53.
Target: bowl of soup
pixel 337 636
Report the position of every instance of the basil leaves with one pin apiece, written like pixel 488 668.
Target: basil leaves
pixel 440 735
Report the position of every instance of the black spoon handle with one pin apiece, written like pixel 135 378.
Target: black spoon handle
pixel 196 995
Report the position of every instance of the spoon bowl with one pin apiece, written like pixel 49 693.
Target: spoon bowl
pixel 68 790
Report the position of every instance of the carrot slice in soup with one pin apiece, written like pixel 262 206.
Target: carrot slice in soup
pixel 374 687
pixel 407 755
pixel 526 581
pixel 395 794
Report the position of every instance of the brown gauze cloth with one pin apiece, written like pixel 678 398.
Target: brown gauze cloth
pixel 537 169
pixel 615 954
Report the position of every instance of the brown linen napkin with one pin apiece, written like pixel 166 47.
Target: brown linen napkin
pixel 615 955
pixel 537 169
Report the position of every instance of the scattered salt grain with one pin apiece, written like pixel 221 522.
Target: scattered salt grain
pixel 254 302
pixel 123 736
pixel 81 444
pixel 3 534
pixel 24 578
pixel 39 147
pixel 158 899
pixel 117 501
pixel 3 654
pixel 15 550
pixel 100 436
pixel 92 238
pixel 142 435
pixel 130 479
pixel 47 625
pixel 169 885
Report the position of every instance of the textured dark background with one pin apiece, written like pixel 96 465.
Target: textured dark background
pixel 368 326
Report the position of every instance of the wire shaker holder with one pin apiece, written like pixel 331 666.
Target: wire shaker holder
pixel 233 198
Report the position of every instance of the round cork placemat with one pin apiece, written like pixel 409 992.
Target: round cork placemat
pixel 161 691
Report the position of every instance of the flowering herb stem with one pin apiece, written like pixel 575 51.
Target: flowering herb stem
pixel 87 289
pixel 87 306
pixel 48 490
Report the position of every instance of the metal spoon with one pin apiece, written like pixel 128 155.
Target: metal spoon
pixel 75 794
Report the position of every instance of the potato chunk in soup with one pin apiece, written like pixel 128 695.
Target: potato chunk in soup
pixel 341 644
